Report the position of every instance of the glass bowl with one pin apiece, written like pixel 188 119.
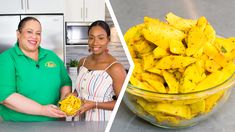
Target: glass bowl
pixel 177 110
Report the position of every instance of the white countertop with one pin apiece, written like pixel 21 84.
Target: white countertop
pixel 53 126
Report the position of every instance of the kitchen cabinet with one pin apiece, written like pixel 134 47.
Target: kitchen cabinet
pixel 31 6
pixel 11 7
pixel 84 10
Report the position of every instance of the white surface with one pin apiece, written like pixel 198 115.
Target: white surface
pixel 73 10
pixel 12 6
pixel 31 6
pixel 44 6
pixel 84 10
pixel 94 10
pixel 52 126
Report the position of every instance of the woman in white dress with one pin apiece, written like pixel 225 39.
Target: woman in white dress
pixel 100 77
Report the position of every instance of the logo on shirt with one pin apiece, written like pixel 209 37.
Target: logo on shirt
pixel 50 64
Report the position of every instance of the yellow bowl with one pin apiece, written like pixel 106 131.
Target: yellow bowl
pixel 177 110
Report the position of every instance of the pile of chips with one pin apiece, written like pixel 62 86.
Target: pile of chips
pixel 70 105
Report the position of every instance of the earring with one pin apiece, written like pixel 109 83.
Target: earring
pixel 107 50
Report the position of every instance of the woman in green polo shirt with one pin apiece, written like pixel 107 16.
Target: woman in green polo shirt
pixel 32 79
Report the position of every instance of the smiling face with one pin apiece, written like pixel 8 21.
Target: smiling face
pixel 29 36
pixel 98 40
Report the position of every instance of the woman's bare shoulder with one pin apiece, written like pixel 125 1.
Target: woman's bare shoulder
pixel 81 61
pixel 116 68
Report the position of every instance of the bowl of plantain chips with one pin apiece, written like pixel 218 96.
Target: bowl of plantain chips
pixel 70 105
pixel 184 71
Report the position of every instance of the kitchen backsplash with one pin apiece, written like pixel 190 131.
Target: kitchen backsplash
pixel 76 52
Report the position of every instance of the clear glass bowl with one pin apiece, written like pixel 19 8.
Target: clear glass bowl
pixel 177 110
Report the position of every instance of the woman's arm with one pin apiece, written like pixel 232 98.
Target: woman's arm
pixel 65 90
pixel 23 104
pixel 118 74
pixel 99 105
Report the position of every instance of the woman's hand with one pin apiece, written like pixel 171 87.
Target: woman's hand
pixel 52 111
pixel 23 104
pixel 87 105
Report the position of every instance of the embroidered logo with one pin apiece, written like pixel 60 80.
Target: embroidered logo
pixel 50 64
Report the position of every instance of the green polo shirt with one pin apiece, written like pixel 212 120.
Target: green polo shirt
pixel 39 80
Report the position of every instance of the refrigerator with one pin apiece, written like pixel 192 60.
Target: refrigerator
pixel 52 32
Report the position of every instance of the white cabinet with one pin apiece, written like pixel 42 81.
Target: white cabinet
pixel 12 6
pixel 44 6
pixel 94 10
pixel 84 10
pixel 31 6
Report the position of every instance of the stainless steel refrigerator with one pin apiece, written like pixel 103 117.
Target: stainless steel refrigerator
pixel 52 32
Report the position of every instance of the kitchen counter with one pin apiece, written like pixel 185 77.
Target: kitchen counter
pixel 53 126
pixel 221 16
